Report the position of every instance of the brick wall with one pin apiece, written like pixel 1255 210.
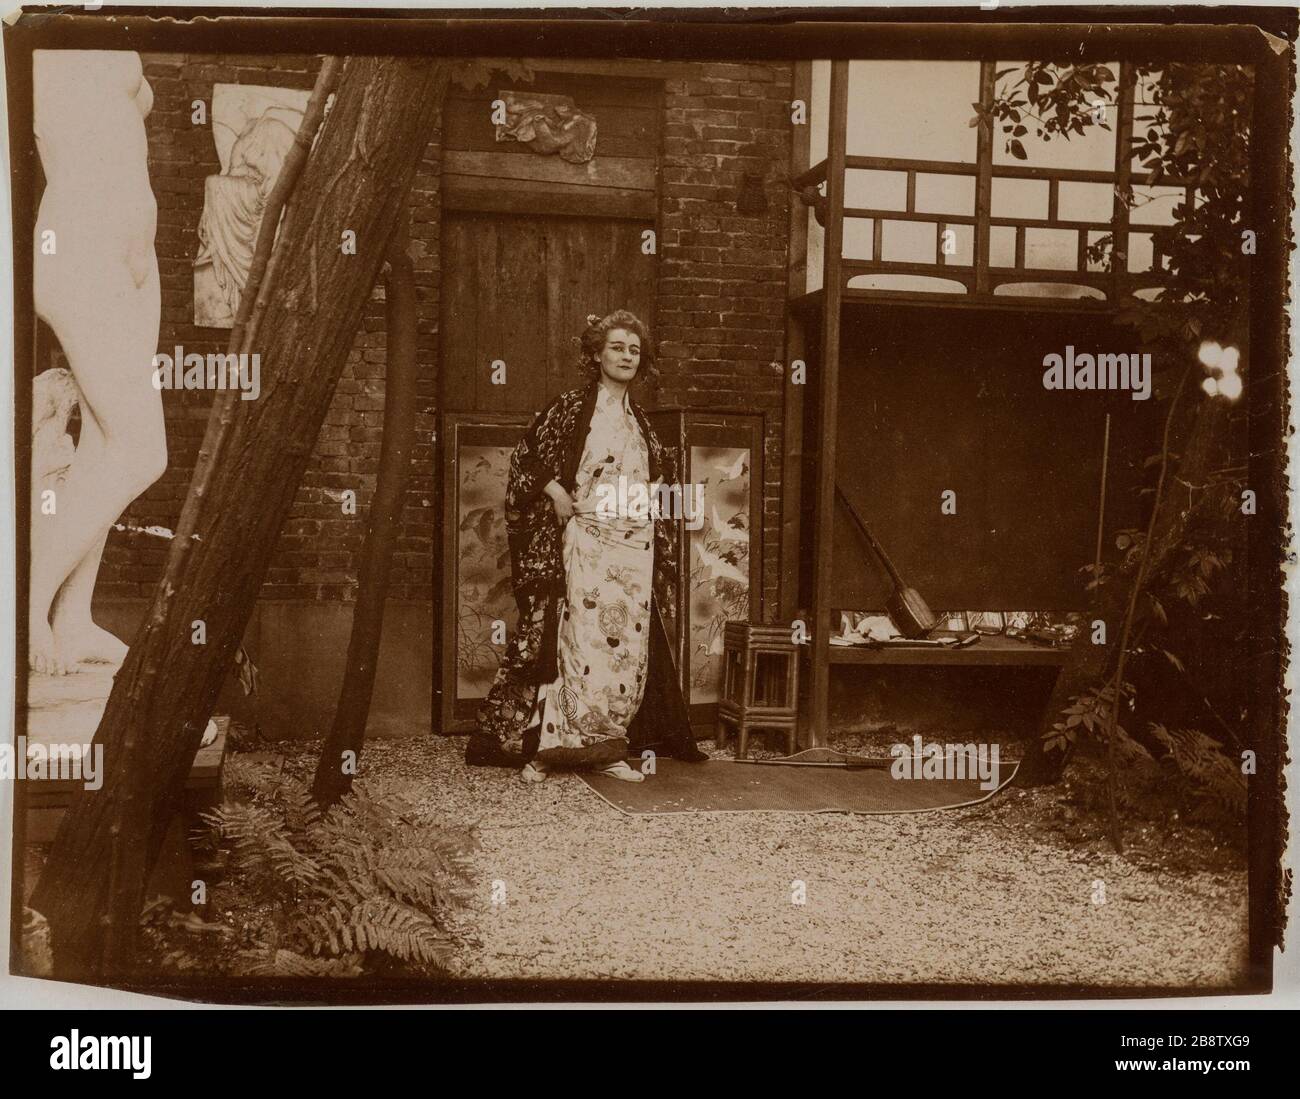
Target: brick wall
pixel 316 555
pixel 720 313
pixel 722 276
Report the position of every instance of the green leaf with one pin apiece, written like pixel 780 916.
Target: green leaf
pixel 1017 149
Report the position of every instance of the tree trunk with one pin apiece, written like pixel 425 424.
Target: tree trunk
pixel 357 179
pixel 333 778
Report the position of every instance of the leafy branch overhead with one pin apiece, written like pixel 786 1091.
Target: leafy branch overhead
pixel 1191 128
pixel 1053 98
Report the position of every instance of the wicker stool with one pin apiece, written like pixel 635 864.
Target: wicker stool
pixel 760 683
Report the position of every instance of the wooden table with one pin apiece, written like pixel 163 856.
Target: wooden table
pixel 991 650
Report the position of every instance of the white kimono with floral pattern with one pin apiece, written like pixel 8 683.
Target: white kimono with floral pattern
pixel 604 622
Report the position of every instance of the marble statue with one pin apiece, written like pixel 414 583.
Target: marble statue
pixel 253 129
pixel 95 283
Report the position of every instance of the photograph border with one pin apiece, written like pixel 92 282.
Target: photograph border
pixel 1262 37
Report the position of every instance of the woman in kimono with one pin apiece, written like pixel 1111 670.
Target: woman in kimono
pixel 588 674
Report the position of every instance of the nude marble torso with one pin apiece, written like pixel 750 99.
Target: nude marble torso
pixel 96 285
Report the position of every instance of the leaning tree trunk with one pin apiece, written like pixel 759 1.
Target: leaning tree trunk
pixel 336 767
pixel 357 179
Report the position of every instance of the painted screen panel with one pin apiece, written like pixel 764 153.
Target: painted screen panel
pixel 483 592
pixel 719 566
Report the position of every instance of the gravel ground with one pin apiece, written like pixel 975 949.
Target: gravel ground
pixel 1004 892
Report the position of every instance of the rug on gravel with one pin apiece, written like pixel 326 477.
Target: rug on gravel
pixel 798 784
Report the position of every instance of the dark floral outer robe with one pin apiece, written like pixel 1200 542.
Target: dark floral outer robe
pixel 551 450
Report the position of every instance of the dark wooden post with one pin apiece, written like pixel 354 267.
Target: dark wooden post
pixel 1123 182
pixel 401 377
pixel 984 177
pixel 795 349
pixel 828 370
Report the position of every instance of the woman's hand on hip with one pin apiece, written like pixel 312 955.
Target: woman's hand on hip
pixel 561 501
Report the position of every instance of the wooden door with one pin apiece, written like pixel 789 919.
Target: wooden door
pixel 516 293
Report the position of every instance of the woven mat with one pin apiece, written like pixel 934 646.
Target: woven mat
pixel 808 786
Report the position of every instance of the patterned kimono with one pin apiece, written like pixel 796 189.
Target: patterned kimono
pixel 588 672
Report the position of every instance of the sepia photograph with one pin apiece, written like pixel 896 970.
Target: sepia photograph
pixel 651 506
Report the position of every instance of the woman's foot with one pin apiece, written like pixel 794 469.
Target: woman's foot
pixel 532 773
pixel 621 770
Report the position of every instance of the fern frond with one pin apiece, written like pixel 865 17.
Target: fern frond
pixel 400 930
pixel 1214 780
pixel 363 877
pixel 289 963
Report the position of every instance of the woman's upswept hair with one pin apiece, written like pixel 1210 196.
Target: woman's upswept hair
pixel 592 343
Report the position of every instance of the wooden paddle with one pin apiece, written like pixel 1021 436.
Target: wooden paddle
pixel 906 609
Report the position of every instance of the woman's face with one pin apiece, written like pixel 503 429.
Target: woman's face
pixel 621 356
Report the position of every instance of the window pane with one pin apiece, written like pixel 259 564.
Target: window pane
pixel 1085 202
pixel 923 283
pixel 1047 290
pixel 878 190
pixel 908 241
pixel 1140 253
pixel 1155 205
pixel 1019 198
pixel 816 254
pixel 1144 114
pixel 945 194
pixel 1052 249
pixel 819 111
pixel 914 109
pixel 857 238
pixel 963 240
pixel 1095 235
pixel 1002 246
